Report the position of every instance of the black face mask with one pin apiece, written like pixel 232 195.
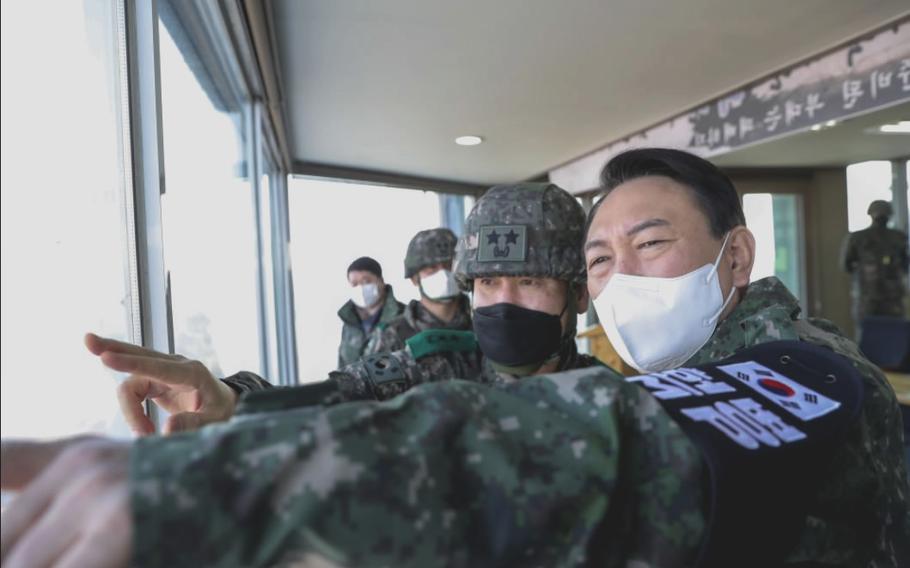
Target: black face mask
pixel 513 336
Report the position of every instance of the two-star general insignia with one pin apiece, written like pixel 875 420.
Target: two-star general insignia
pixel 503 243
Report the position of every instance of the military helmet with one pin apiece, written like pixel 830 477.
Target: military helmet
pixel 880 208
pixel 523 229
pixel 428 248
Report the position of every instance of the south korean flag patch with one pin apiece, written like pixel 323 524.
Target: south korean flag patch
pixel 768 422
pixel 797 399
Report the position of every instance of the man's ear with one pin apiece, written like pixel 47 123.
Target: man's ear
pixel 581 297
pixel 742 252
pixel 414 280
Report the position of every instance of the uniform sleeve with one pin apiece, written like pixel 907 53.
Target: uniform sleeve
pixel 377 377
pixel 314 394
pixel 245 382
pixel 575 469
pixel 384 375
pixel 848 255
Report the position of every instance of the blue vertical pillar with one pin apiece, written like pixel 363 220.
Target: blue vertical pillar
pixel 451 212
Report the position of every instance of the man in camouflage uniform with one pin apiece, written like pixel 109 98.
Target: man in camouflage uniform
pixel 428 263
pixel 878 260
pixel 859 509
pixel 359 321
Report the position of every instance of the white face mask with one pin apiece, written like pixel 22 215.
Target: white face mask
pixel 439 286
pixel 365 296
pixel 657 324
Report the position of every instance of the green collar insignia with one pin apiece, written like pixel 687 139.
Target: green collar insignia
pixel 432 341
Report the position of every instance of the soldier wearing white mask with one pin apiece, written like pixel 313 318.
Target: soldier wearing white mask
pixel 372 305
pixel 442 305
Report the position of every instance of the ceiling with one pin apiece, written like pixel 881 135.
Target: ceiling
pixel 851 141
pixel 388 85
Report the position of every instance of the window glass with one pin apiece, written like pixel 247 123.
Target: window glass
pixel 788 242
pixel 64 223
pixel 866 182
pixel 209 223
pixel 774 219
pixel 332 223
pixel 268 274
pixel 759 211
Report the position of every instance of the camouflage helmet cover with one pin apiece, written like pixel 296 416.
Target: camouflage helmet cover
pixel 523 229
pixel 428 248
pixel 880 208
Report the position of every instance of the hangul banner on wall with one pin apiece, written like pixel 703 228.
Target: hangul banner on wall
pixel 866 75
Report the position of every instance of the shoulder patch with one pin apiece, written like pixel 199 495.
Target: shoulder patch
pixel 503 243
pixel 767 421
pixel 794 397
pixel 432 341
pixel 383 368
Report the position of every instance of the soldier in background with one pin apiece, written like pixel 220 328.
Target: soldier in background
pixel 442 305
pixel 878 259
pixel 372 305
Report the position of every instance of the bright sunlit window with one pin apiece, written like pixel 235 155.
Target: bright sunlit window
pixel 866 182
pixel 270 366
pixel 333 223
pixel 209 224
pixel 64 256
pixel 759 211
pixel 775 220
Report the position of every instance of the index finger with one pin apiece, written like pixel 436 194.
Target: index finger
pixel 167 371
pixel 98 345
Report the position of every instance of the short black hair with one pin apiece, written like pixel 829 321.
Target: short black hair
pixel 712 190
pixel 366 263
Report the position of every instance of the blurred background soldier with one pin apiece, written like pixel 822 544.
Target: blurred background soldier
pixel 877 258
pixel 428 263
pixel 372 305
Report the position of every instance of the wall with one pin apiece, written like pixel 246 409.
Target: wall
pixel 829 220
pixel 824 193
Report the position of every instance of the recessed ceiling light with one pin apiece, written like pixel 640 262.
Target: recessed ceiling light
pixel 902 127
pixel 816 127
pixel 468 140
pixel 830 123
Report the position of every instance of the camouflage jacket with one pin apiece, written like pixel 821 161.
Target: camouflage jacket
pixel 859 514
pixel 412 321
pixel 878 259
pixel 353 338
pixel 570 469
pixel 358 381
